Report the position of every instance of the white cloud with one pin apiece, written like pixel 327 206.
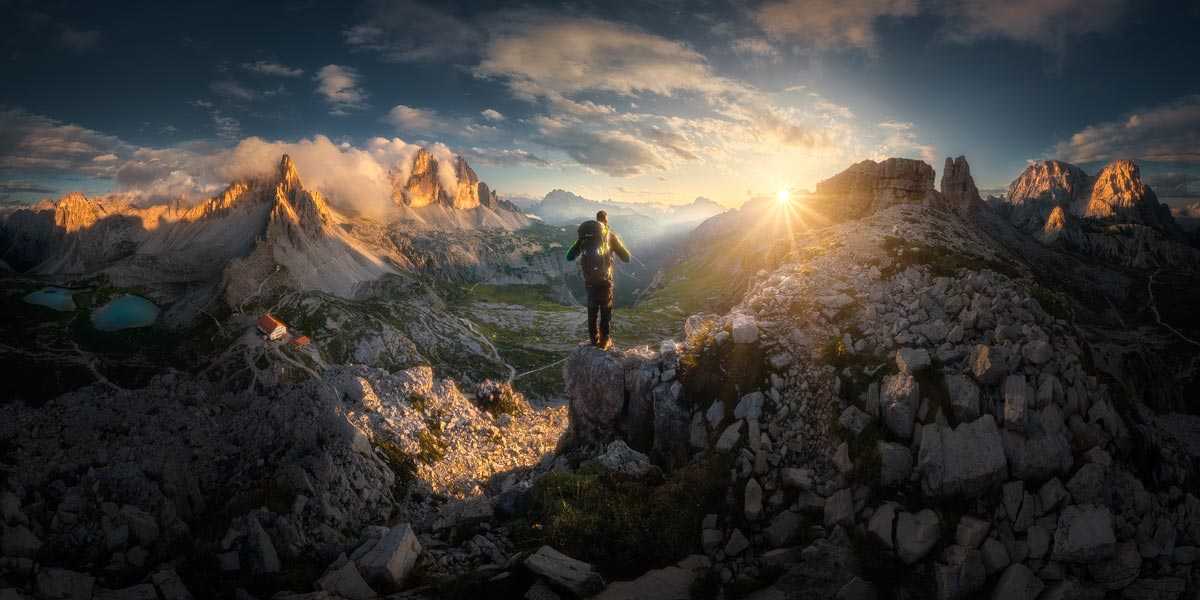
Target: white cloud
pixel 411 119
pixel 34 142
pixel 505 157
pixel 1168 132
pixel 593 56
pixel 756 47
pixel 492 114
pixel 340 87
pixel 1047 23
pixel 613 152
pixel 829 23
pixel 273 69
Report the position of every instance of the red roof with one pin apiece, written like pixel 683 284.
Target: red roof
pixel 301 341
pixel 269 323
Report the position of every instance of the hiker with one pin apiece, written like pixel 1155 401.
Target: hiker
pixel 596 244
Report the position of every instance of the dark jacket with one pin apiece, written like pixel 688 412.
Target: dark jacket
pixel 614 246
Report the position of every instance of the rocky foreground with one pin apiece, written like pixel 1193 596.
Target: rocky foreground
pixel 896 409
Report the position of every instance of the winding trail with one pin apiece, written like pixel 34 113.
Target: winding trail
pixel 512 371
pixel 1157 316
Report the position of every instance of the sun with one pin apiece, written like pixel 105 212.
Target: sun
pixel 782 196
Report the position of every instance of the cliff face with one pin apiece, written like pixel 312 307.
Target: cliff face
pixel 958 187
pixel 1119 195
pixel 427 186
pixel 868 187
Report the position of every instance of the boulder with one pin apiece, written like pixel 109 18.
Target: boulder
pixel 143 591
pixel 346 582
pixel 962 461
pixel 744 329
pixel 1037 352
pixel 783 529
pixel 895 464
pixel 912 360
pixel 390 558
pixel 961 575
pixel 1087 483
pixel 1051 495
pixel 753 501
pixel 1084 535
pixel 259 551
pixel 963 395
pixel 1017 583
pixel 994 555
pixel 737 544
pixel 839 508
pixel 899 398
pixel 595 384
pixel 750 406
pixel 881 524
pixel 916 534
pixel 854 421
pixel 61 584
pixel 1038 456
pixel 1159 588
pixel 574 576
pixel 971 531
pixel 669 583
pixel 1120 570
pixel 988 365
pixel 618 457
pixel 730 437
pixel 1016 399
pixel 170 586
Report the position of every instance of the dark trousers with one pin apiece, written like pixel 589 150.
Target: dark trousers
pixel 599 303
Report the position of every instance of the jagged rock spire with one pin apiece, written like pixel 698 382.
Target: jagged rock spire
pixel 287 172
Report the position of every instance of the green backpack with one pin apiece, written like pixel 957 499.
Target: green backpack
pixel 594 259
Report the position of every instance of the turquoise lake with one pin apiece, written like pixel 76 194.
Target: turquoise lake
pixel 52 297
pixel 125 312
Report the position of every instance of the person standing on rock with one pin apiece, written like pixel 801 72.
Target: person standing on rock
pixel 595 247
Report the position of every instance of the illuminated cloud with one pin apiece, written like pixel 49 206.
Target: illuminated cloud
pixel 340 87
pixel 410 119
pixel 30 142
pixel 1047 23
pixel 1168 132
pixel 492 114
pixel 829 23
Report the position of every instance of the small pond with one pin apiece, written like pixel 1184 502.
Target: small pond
pixel 52 297
pixel 124 312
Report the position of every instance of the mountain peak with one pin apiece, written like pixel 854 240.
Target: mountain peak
pixel 287 172
pixel 76 211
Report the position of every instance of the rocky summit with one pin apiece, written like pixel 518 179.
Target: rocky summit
pixel 915 395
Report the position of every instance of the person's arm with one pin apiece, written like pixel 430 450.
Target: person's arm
pixel 573 251
pixel 614 242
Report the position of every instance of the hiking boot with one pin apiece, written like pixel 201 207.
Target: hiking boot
pixel 605 343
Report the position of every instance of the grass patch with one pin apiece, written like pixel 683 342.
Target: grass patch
pixel 710 372
pixel 941 261
pixel 622 525
pixel 1054 303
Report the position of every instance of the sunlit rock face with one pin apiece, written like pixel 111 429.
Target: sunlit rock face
pixel 1119 195
pixel 424 187
pixel 1055 225
pixel 870 186
pixel 75 211
pixel 1044 185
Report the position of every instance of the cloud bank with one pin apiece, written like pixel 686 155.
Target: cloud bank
pixel 1168 132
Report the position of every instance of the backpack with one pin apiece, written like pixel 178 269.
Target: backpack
pixel 595 259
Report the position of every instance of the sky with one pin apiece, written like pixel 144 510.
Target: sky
pixel 658 101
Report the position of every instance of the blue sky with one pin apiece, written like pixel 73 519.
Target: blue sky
pixel 644 101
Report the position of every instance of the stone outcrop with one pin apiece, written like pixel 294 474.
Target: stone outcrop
pixel 868 187
pixel 958 187
pixel 1042 186
pixel 964 461
pixel 1118 195
pixel 426 185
